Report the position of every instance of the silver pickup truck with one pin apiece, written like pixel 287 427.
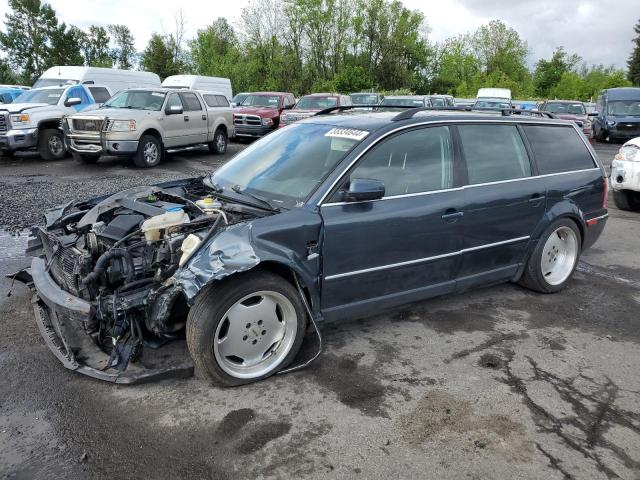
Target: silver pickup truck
pixel 144 123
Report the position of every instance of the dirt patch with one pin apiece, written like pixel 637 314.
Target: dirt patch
pixel 439 414
pixel 494 341
pixel 257 437
pixel 357 386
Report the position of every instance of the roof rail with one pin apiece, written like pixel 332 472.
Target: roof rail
pixel 363 107
pixel 406 115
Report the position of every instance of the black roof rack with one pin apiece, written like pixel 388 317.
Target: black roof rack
pixel 362 107
pixel 505 112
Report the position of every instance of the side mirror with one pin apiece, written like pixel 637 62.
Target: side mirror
pixel 174 110
pixel 71 101
pixel 593 114
pixel 363 189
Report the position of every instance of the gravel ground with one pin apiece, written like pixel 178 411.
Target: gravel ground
pixel 496 383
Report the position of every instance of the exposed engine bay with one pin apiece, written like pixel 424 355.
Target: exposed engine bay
pixel 119 254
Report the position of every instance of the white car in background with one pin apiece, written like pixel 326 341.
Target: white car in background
pixel 625 176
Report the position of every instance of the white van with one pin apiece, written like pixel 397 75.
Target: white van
pixel 117 80
pixel 198 82
pixel 501 93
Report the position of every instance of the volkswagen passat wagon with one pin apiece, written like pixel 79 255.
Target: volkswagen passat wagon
pixel 332 218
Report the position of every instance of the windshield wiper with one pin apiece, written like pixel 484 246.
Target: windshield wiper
pixel 265 203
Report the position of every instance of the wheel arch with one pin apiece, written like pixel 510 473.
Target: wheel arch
pixel 153 132
pixel 49 123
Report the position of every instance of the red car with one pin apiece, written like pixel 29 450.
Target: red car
pixel 260 113
pixel 569 110
pixel 309 105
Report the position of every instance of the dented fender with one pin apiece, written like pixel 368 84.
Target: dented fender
pixel 290 239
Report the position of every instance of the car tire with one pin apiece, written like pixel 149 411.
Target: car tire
pixel 627 200
pixel 219 144
pixel 85 159
pixel 599 135
pixel 7 153
pixel 554 259
pixel 51 144
pixel 223 313
pixel 150 152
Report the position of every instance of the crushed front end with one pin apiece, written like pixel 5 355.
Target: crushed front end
pixel 105 297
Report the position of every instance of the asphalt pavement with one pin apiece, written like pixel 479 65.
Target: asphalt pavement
pixel 499 382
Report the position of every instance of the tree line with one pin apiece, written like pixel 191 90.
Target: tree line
pixel 304 46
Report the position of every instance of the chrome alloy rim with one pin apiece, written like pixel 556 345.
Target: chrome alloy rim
pixel 55 145
pixel 559 255
pixel 255 334
pixel 220 143
pixel 150 152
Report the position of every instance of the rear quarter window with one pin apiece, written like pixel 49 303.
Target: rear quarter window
pixel 558 149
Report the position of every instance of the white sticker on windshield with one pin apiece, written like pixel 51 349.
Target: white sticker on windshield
pixel 157 94
pixel 350 133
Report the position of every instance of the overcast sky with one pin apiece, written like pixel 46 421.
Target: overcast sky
pixel 599 31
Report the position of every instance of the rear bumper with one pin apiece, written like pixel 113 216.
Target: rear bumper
pixel 62 318
pixel 19 139
pixel 594 228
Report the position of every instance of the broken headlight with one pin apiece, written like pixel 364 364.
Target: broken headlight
pixel 630 153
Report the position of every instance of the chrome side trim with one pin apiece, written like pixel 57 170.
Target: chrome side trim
pixel 333 204
pixel 597 218
pixel 426 259
pixel 448 122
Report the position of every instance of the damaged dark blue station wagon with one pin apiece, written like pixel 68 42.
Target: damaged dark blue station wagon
pixel 333 217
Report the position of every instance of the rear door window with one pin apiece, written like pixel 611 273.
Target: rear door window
pixel 417 161
pixel 190 102
pixel 100 94
pixel 558 149
pixel 494 153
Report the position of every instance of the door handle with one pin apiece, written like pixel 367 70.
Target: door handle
pixel 536 198
pixel 451 215
pixel 204 117
pixel 186 118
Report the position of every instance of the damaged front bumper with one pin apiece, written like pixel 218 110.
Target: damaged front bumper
pixel 61 318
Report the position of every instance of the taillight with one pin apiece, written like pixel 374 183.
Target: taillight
pixel 606 192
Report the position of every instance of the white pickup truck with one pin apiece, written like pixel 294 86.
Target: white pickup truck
pixel 33 119
pixel 144 123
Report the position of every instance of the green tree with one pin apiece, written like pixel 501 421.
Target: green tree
pixel 453 64
pixel 123 51
pixel 96 47
pixel 27 39
pixel 500 49
pixel 548 73
pixel 633 64
pixel 66 46
pixel 158 57
pixel 6 74
pixel 215 50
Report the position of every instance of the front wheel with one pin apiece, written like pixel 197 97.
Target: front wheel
pixel 51 144
pixel 245 328
pixel 219 143
pixel 554 259
pixel 627 200
pixel 149 152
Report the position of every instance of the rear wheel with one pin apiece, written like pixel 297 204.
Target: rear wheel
pixel 627 200
pixel 245 328
pixel 554 259
pixel 85 159
pixel 51 144
pixel 219 143
pixel 149 152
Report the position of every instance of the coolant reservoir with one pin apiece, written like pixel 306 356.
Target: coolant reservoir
pixel 188 246
pixel 152 226
pixel 209 205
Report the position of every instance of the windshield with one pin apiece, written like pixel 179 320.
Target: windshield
pixel 491 104
pixel 54 82
pixel 623 108
pixel 261 101
pixel 570 108
pixel 48 95
pixel 403 102
pixel 317 103
pixel 239 98
pixel 364 99
pixel 286 166
pixel 137 99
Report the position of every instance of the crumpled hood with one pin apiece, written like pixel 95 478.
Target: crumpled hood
pixel 264 112
pixel 634 141
pixel 21 107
